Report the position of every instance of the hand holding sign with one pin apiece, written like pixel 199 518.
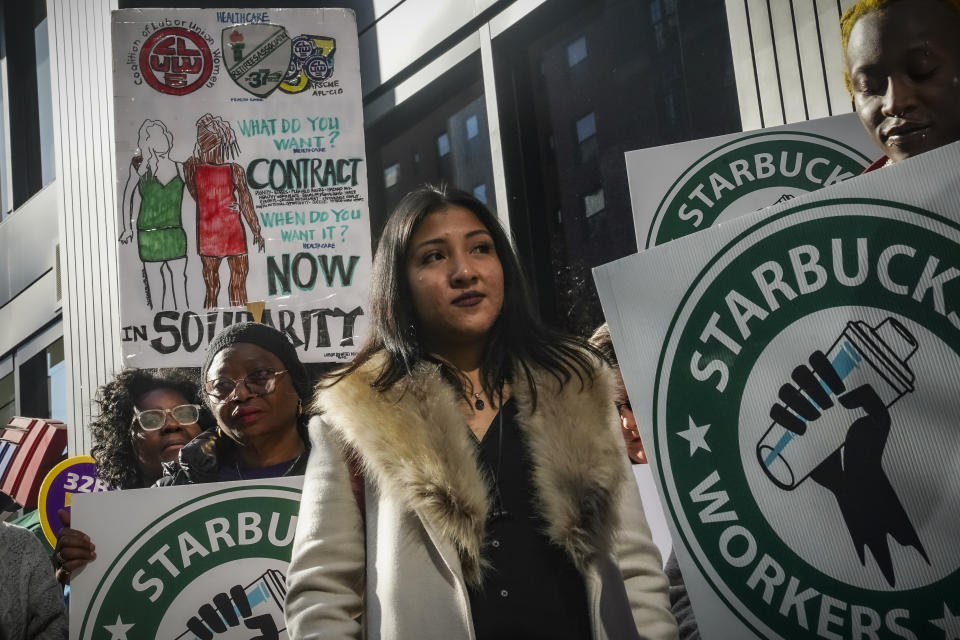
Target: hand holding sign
pixel 73 552
pixel 72 549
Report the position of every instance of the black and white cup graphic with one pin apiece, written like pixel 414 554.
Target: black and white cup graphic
pixel 263 607
pixel 862 355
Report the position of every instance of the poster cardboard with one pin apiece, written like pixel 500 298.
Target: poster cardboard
pixel 167 555
pixel 809 496
pixel 241 180
pixel 678 189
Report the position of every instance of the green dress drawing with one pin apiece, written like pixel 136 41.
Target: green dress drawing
pixel 160 234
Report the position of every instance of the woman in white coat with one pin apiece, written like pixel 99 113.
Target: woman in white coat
pixel 468 480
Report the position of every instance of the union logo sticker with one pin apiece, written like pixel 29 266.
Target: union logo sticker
pixel 176 60
pixel 310 64
pixel 257 56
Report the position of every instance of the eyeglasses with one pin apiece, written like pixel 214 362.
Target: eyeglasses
pixel 153 419
pixel 259 383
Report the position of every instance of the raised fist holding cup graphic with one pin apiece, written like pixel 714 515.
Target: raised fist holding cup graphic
pixel 841 448
pixel 243 612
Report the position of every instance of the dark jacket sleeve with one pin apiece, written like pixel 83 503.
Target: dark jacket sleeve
pixel 680 601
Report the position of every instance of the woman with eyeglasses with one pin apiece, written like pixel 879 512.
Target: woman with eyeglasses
pixel 497 502
pixel 254 384
pixel 145 417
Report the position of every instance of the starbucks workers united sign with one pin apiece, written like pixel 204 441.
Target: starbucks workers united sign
pixel 188 563
pixel 716 179
pixel 803 407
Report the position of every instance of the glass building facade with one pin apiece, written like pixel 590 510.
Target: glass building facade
pixel 528 104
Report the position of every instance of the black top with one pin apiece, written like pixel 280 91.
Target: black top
pixel 532 590
pixel 237 472
pixel 680 605
pixel 210 457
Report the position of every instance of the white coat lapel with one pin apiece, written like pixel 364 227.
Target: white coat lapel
pixel 415 445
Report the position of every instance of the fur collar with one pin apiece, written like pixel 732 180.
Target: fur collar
pixel 414 444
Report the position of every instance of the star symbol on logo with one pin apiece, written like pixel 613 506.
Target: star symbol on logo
pixel 949 623
pixel 696 436
pixel 118 630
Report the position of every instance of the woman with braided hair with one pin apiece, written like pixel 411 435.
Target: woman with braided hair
pixel 219 188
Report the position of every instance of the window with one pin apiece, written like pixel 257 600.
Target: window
pixel 8 396
pixel 43 390
pixel 473 128
pixel 576 51
pixel 391 175
pixel 443 144
pixel 656 11
pixel 589 147
pixel 594 203
pixel 586 127
pixel 6 202
pixel 480 193
pixel 552 117
pixel 57 378
pixel 26 68
pixel 437 123
pixel 44 103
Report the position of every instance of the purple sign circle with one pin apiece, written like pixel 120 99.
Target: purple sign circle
pixel 72 476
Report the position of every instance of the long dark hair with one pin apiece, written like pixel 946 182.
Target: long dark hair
pixel 517 340
pixel 112 449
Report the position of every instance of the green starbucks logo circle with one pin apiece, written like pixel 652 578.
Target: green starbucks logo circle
pixel 805 448
pixel 750 173
pixel 216 561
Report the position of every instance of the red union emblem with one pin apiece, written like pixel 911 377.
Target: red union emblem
pixel 175 60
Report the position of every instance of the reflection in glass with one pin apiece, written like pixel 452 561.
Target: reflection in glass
pixel 576 51
pixel 443 144
pixel 586 127
pixel 391 175
pixel 480 193
pixel 8 399
pixel 593 203
pixel 472 127
pixel 57 381
pixel 438 135
pixel 657 73
pixel 43 384
pixel 44 103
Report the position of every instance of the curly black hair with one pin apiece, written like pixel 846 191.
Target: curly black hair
pixel 112 449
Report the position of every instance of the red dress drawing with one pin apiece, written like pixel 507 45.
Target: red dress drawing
pixel 219 229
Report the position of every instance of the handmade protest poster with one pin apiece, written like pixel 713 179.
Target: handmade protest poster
pixel 794 373
pixel 241 179
pixel 678 189
pixel 186 562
